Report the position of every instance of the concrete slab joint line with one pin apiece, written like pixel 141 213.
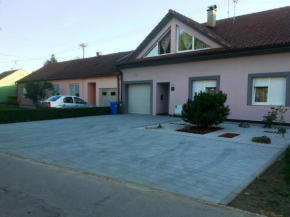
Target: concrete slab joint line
pixel 173 164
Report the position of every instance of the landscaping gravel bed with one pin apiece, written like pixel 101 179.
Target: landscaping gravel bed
pixel 246 134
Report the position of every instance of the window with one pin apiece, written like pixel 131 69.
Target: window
pixel 55 89
pixel 53 98
pixel 269 91
pixel 187 42
pixel 68 100
pixel 210 90
pixel 208 86
pixel 79 101
pixel 261 94
pixel 113 93
pixel 161 47
pixel 74 89
pixel 24 91
pixel 104 93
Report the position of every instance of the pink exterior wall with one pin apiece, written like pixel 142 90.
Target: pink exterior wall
pixel 101 82
pixel 173 25
pixel 233 80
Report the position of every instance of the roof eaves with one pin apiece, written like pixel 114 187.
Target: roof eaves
pixel 220 53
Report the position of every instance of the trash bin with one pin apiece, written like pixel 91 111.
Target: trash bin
pixel 114 108
pixel 120 107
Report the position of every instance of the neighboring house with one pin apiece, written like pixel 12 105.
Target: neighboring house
pixel 95 79
pixel 7 83
pixel 248 58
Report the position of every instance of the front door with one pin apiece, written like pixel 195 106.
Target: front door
pixel 107 96
pixel 162 98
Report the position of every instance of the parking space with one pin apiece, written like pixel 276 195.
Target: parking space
pixel 206 169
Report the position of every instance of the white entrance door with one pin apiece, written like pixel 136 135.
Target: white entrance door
pixel 139 98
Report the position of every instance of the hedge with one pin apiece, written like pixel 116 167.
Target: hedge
pixel 24 115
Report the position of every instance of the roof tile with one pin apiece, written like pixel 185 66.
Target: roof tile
pixel 80 68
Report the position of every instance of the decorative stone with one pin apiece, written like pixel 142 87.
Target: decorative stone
pixel 262 139
pixel 154 127
pixel 244 125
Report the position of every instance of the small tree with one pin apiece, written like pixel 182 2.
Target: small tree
pixel 206 109
pixel 37 90
pixel 51 60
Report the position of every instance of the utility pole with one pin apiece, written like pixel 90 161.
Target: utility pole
pixel 228 8
pixel 83 45
pixel 235 2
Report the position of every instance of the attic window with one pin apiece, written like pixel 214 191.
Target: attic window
pixel 162 46
pixel 187 42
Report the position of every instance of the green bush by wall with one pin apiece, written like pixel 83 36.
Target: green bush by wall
pixel 24 115
pixel 7 91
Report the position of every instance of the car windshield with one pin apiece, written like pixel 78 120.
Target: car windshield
pixel 53 98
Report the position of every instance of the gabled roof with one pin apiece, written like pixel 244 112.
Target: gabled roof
pixel 257 31
pixel 6 73
pixel 187 21
pixel 81 68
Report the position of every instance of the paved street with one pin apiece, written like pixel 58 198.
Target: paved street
pixel 206 169
pixel 38 190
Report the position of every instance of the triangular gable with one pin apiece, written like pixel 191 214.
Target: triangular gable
pixel 171 22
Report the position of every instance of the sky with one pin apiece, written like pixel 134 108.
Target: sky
pixel 32 30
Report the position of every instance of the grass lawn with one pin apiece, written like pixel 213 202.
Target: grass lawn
pixel 269 194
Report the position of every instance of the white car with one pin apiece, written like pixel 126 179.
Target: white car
pixel 65 101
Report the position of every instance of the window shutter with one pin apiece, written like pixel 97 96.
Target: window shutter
pixel 260 82
pixel 71 90
pixel 197 86
pixel 277 94
pixel 210 83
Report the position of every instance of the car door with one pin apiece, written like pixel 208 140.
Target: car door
pixel 68 102
pixel 79 102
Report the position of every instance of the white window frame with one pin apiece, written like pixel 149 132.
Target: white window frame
pixel 157 45
pixel 74 85
pixel 193 42
pixel 268 103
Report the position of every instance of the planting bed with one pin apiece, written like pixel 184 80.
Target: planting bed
pixel 229 135
pixel 245 134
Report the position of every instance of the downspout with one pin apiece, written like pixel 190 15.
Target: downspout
pixel 121 73
pixel 118 84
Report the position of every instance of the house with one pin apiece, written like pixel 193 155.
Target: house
pixel 248 58
pixel 95 79
pixel 7 83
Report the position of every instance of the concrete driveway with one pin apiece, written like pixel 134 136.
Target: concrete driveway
pixel 206 169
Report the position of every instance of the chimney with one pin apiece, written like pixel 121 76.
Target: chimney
pixel 99 54
pixel 211 16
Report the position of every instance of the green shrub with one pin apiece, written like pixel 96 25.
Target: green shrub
pixel 287 168
pixel 24 115
pixel 12 100
pixel 206 109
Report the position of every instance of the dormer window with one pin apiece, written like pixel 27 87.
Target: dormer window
pixel 187 42
pixel 162 46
